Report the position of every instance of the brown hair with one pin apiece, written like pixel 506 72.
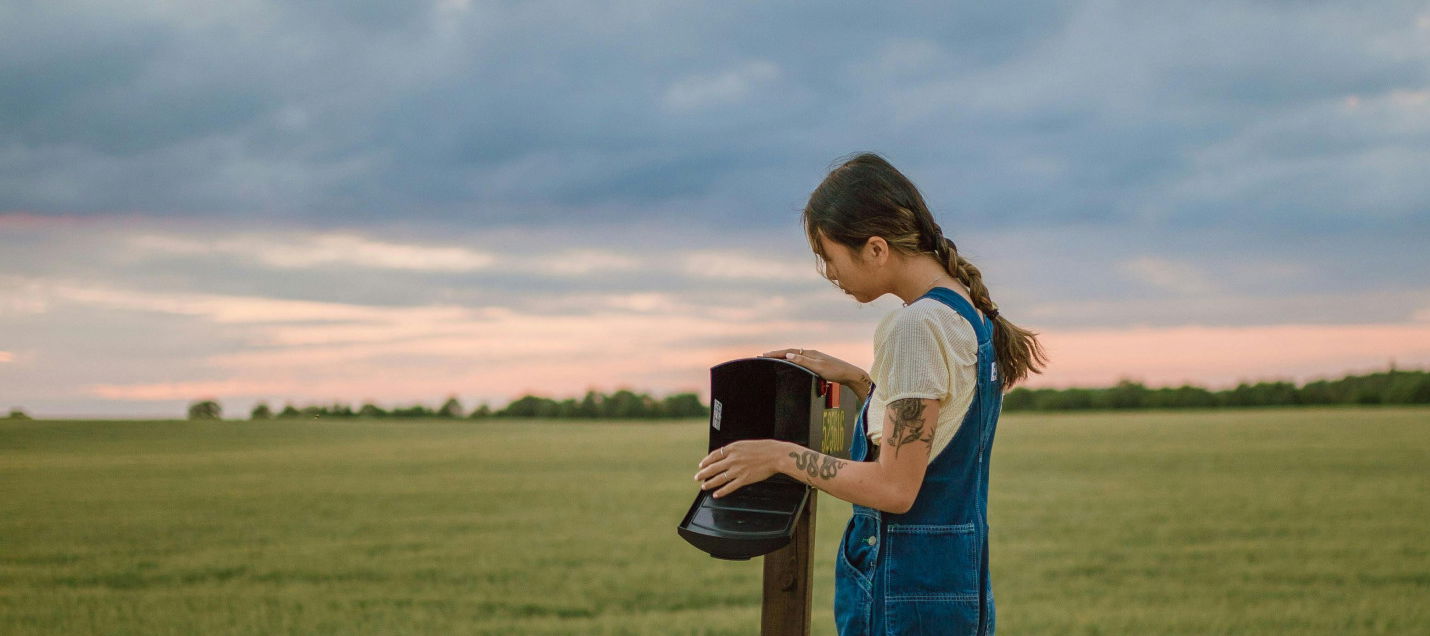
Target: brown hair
pixel 865 196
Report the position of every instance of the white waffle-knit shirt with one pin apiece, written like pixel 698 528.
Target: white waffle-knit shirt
pixel 924 350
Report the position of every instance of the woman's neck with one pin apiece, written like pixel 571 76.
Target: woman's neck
pixel 922 274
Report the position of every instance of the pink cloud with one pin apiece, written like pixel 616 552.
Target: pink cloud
pixel 564 356
pixel 306 350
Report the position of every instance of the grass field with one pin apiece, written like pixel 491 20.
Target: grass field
pixel 1294 521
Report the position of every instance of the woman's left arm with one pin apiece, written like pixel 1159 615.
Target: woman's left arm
pixel 890 484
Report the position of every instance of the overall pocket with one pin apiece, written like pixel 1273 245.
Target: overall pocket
pixel 853 575
pixel 932 578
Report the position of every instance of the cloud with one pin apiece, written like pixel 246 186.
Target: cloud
pixel 22 297
pixel 6 356
pixel 726 87
pixel 901 57
pixel 323 250
pixel 481 114
pixel 183 184
pixel 223 309
pixel 349 249
pixel 579 262
pixel 1179 278
pixel 559 357
pixel 273 337
pixel 306 349
pixel 738 265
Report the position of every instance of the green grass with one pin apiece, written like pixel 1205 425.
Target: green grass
pixel 1285 521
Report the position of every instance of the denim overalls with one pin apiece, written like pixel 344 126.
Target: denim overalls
pixel 926 571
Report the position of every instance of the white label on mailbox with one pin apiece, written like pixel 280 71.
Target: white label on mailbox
pixel 715 414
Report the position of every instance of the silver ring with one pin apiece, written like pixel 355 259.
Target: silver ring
pixel 801 351
pixel 722 452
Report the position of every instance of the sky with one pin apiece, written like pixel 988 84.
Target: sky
pixel 402 201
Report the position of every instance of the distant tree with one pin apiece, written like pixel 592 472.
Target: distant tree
pixel 205 410
pixel 482 411
pixel 1194 396
pixel 1126 395
pixel 339 409
pixel 289 412
pixel 1408 388
pixel 624 404
pixel 1019 399
pixel 261 412
pixel 548 408
pixel 450 408
pixel 1395 386
pixel 416 410
pixel 590 405
pixel 1320 392
pixel 1366 395
pixel 18 414
pixel 529 406
pixel 1179 397
pixel 567 408
pixel 371 410
pixel 1067 399
pixel 683 405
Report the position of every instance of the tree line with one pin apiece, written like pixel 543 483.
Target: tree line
pixel 1393 386
pixel 1386 387
pixel 622 404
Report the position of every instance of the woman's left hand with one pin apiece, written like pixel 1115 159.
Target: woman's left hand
pixel 740 464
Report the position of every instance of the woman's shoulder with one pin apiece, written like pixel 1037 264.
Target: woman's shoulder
pixel 927 311
pixel 931 316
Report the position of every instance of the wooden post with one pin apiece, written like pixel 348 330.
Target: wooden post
pixel 789 578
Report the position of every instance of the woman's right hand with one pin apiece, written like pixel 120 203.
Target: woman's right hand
pixel 825 366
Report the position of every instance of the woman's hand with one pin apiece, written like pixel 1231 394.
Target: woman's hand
pixel 826 366
pixel 740 464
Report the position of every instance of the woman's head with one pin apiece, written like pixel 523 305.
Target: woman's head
pixel 866 212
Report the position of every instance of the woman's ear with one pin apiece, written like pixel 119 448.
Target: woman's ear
pixel 876 250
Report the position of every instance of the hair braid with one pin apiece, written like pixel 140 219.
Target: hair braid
pixel 1018 351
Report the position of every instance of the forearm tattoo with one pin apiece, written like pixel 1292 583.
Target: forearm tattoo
pixel 809 462
pixel 908 415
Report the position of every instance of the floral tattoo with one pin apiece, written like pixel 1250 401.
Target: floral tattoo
pixel 908 416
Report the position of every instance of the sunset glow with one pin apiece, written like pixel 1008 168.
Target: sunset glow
pixel 398 202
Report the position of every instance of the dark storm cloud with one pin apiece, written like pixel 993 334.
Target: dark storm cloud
pixel 1168 115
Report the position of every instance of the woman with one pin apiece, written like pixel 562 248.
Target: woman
pixel 914 557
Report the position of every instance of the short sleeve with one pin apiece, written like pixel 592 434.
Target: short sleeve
pixel 912 360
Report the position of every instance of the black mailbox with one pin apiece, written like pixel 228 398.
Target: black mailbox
pixel 766 398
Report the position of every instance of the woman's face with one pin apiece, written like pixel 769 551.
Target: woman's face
pixel 854 271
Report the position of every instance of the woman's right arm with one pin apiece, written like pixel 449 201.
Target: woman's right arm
pixel 891 483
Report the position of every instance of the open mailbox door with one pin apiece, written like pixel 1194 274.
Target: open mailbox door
pixel 766 398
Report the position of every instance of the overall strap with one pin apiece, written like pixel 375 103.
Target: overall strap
pixel 859 446
pixel 984 414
